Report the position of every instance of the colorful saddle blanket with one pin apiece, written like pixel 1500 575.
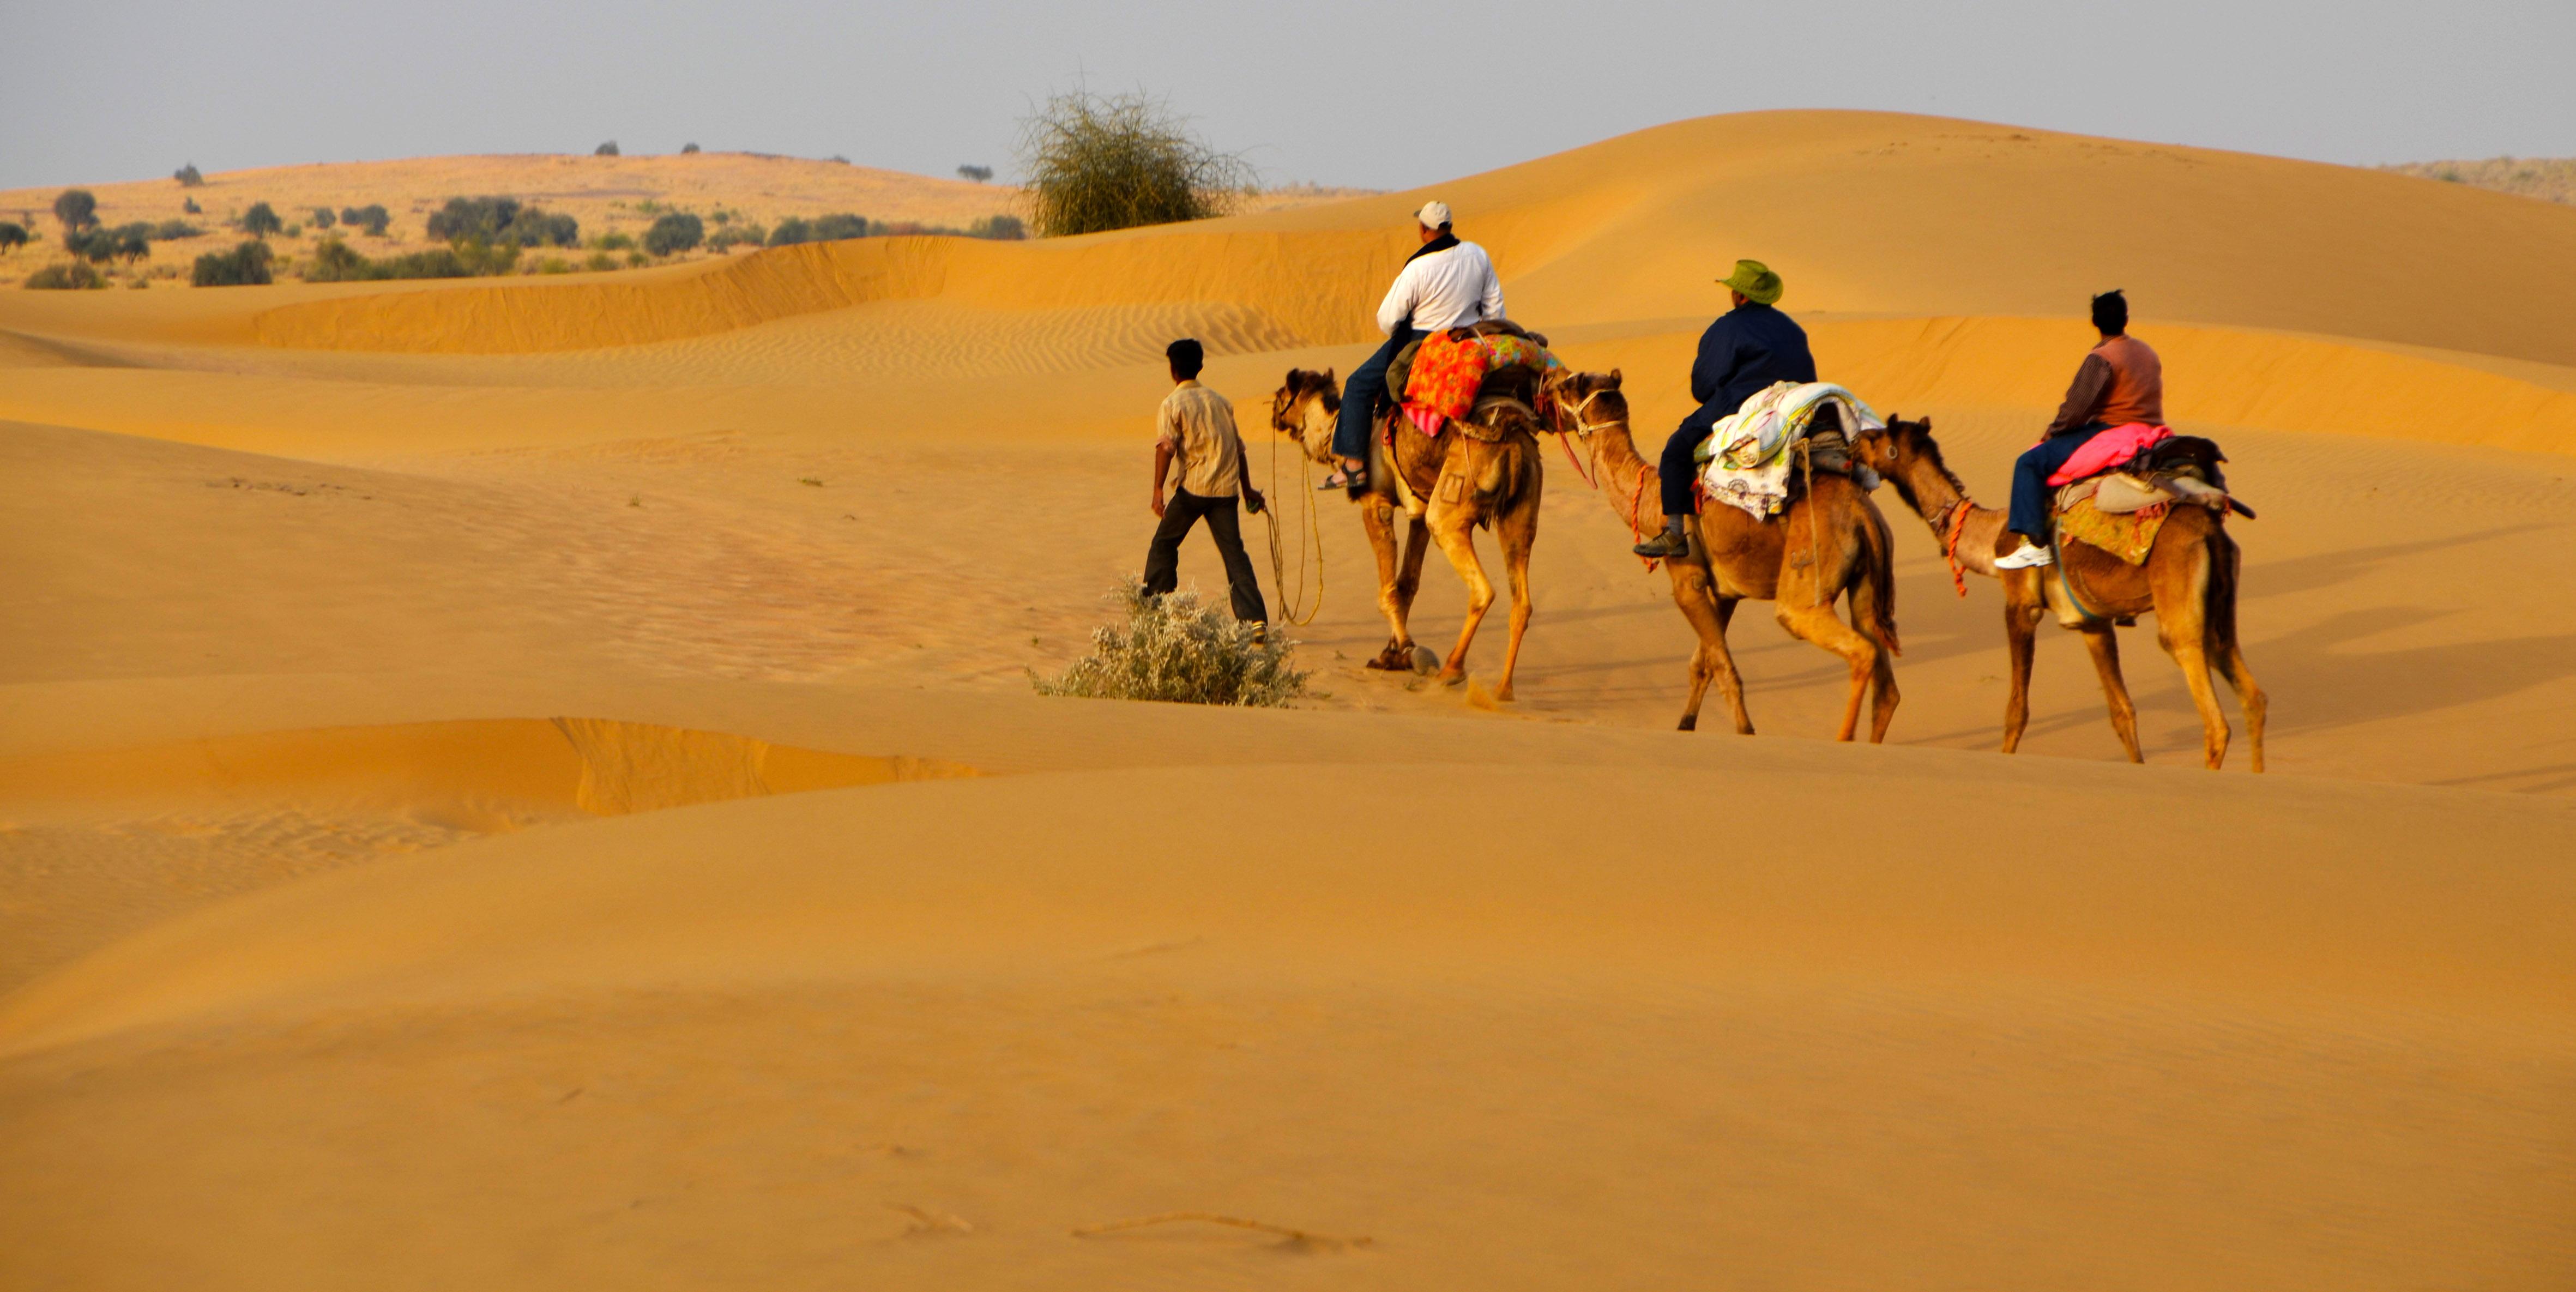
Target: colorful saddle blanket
pixel 1751 454
pixel 1450 369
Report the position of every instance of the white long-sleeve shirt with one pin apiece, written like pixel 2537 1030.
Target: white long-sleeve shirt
pixel 1445 289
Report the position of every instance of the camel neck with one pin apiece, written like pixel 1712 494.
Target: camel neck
pixel 1935 495
pixel 1627 480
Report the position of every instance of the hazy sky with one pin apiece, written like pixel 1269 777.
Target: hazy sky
pixel 1383 95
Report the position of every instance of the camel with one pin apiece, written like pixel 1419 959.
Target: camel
pixel 1830 543
pixel 2189 581
pixel 1447 486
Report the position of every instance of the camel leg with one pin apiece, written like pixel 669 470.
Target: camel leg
pixel 1819 624
pixel 1519 533
pixel 2021 643
pixel 2249 695
pixel 2104 641
pixel 1883 695
pixel 1376 517
pixel 1708 615
pixel 1456 533
pixel 2182 628
pixel 1417 542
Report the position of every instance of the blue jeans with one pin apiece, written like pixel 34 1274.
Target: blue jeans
pixel 1677 472
pixel 2031 493
pixel 1360 396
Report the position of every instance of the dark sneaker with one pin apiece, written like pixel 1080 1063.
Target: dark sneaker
pixel 1668 545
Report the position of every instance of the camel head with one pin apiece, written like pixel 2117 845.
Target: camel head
pixel 1894 452
pixel 1304 409
pixel 1584 402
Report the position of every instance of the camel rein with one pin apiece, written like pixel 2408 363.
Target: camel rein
pixel 1312 543
pixel 1636 497
pixel 1949 526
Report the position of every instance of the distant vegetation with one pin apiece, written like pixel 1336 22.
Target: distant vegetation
pixel 261 220
pixel 608 149
pixel 187 176
pixel 189 205
pixel 335 262
pixel 13 235
pixel 324 218
pixel 245 265
pixel 2544 178
pixel 77 209
pixel 674 233
pixel 73 276
pixel 1099 162
pixel 686 149
pixel 373 218
pixel 736 235
pixel 979 174
pixel 499 220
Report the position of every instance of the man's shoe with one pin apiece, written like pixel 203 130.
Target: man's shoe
pixel 2027 556
pixel 1343 479
pixel 1670 544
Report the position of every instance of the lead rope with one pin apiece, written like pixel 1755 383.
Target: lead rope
pixel 1312 545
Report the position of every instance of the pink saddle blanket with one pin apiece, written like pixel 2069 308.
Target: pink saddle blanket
pixel 2112 448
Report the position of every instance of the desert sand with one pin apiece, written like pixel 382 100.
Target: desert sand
pixel 534 783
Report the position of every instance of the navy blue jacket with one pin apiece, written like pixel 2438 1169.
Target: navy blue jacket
pixel 1741 355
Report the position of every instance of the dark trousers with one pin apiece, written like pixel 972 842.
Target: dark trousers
pixel 1362 394
pixel 1677 472
pixel 2031 494
pixel 1224 522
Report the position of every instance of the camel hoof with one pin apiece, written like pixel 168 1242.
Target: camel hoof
pixel 1394 659
pixel 1449 678
pixel 1690 722
pixel 1503 696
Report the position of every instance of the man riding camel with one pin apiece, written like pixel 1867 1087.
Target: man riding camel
pixel 2119 383
pixel 1445 284
pixel 1743 353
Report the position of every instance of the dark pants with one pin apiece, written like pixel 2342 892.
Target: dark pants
pixel 2031 493
pixel 1362 394
pixel 1676 472
pixel 1163 559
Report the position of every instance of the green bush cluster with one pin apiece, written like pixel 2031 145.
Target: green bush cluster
pixel 822 228
pixel 336 262
pixel 1099 162
pixel 499 220
pixel 736 235
pixel 373 218
pixel 188 177
pixel 71 277
pixel 674 233
pixel 261 220
pixel 245 265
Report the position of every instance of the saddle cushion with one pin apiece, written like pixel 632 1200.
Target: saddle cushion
pixel 2126 535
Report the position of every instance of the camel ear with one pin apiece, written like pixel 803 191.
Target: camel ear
pixel 1614 379
pixel 1328 376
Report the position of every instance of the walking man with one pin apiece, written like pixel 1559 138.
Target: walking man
pixel 1747 350
pixel 1196 425
pixel 1444 284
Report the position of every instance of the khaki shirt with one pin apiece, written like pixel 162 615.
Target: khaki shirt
pixel 1199 425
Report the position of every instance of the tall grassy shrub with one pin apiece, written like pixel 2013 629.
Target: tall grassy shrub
pixel 1099 162
pixel 1177 647
pixel 245 265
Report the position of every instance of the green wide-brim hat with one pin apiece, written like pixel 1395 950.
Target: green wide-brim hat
pixel 1756 281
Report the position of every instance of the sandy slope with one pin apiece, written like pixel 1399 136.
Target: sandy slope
pixel 334 610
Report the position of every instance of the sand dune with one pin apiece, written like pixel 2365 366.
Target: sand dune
pixel 458 742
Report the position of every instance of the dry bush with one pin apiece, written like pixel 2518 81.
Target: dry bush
pixel 1099 162
pixel 75 276
pixel 1177 647
pixel 2550 180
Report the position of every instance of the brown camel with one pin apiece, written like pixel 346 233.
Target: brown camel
pixel 2189 581
pixel 1830 543
pixel 1447 486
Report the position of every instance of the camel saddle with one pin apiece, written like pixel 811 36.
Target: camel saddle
pixel 2185 468
pixel 1399 372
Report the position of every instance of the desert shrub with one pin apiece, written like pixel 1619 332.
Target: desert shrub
pixel 373 218
pixel 324 217
pixel 294 231
pixel 613 241
pixel 790 231
pixel 99 246
pixel 686 149
pixel 1177 647
pixel 188 177
pixel 1003 227
pixel 76 208
pixel 336 262
pixel 71 277
pixel 674 233
pixel 13 235
pixel 173 230
pixel 637 260
pixel 244 265
pixel 735 235
pixel 498 220
pixel 189 205
pixel 600 260
pixel 834 228
pixel 979 174
pixel 554 265
pixel 608 149
pixel 261 220
pixel 1099 162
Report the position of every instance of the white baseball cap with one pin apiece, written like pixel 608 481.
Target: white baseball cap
pixel 1433 214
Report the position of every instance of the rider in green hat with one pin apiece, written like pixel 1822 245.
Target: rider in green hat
pixel 1742 354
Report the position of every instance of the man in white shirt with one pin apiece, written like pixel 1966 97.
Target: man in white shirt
pixel 1446 284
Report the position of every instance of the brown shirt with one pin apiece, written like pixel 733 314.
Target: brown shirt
pixel 1199 425
pixel 2120 382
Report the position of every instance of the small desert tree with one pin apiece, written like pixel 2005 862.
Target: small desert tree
pixel 77 209
pixel 373 218
pixel 1099 162
pixel 13 235
pixel 608 149
pixel 187 176
pixel 324 217
pixel 837 227
pixel 261 220
pixel 978 174
pixel 686 149
pixel 674 233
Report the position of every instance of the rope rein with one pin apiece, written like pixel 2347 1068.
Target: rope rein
pixel 1310 547
pixel 1950 526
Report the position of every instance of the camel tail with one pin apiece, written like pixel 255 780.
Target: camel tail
pixel 2218 607
pixel 1879 555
